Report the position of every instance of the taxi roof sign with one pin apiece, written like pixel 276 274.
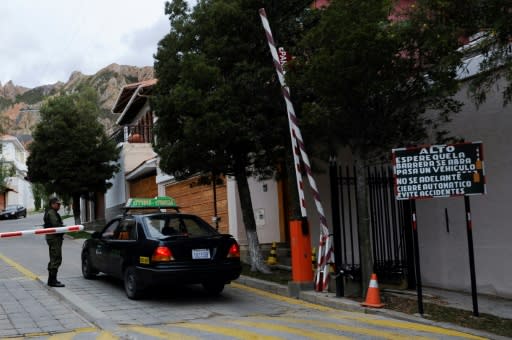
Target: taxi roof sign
pixel 161 202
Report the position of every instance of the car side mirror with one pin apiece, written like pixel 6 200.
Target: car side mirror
pixel 96 234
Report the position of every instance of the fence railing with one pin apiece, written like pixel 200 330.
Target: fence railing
pixel 133 134
pixel 388 223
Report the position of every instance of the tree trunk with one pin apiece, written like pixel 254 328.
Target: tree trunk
pixel 363 228
pixel 76 208
pixel 257 263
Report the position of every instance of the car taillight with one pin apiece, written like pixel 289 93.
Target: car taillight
pixel 162 254
pixel 234 250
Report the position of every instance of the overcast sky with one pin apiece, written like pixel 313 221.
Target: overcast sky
pixel 44 41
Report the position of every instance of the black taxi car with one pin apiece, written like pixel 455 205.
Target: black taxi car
pixel 149 245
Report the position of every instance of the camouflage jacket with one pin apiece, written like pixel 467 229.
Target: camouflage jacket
pixel 52 219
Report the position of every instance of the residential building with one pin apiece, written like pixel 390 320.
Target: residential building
pixel 140 175
pixel 13 154
pixel 134 136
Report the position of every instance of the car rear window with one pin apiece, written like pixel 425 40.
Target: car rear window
pixel 164 225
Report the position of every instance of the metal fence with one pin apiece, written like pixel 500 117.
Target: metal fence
pixel 389 219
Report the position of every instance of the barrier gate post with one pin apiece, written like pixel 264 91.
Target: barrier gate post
pixel 300 241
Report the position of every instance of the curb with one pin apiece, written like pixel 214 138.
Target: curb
pixel 345 304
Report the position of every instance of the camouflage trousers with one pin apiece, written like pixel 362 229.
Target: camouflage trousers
pixel 55 250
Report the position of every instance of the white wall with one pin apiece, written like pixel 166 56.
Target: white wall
pixel 14 153
pixel 134 154
pixel 443 254
pixel 115 196
pixel 266 208
pixel 23 194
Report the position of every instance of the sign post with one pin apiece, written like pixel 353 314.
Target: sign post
pixel 469 228
pixel 419 287
pixel 432 171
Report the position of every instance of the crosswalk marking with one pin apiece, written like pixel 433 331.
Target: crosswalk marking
pixel 412 326
pixel 262 327
pixel 157 333
pixel 290 330
pixel 346 328
pixel 227 331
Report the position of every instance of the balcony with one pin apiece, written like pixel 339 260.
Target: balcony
pixel 133 134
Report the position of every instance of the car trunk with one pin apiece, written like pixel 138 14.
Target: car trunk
pixel 200 249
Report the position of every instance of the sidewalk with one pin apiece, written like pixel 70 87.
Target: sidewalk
pixel 486 304
pixel 28 308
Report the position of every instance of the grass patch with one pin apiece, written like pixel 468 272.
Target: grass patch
pixel 80 234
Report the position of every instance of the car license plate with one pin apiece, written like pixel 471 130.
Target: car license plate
pixel 199 254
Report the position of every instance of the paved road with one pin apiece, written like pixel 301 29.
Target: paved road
pixel 98 309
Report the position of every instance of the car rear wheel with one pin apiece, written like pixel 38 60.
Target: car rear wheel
pixel 131 284
pixel 213 288
pixel 88 271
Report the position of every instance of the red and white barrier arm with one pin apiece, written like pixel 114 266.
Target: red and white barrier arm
pixel 44 231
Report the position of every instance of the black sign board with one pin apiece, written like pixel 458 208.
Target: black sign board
pixel 439 171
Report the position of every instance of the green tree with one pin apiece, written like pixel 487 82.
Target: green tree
pixel 217 99
pixel 40 195
pixel 490 20
pixel 484 26
pixel 371 79
pixel 71 154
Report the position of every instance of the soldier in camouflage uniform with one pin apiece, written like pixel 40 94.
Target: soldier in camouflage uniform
pixel 52 219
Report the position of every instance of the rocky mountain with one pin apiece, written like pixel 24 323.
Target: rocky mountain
pixel 10 91
pixel 19 106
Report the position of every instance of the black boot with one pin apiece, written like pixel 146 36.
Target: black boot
pixel 53 282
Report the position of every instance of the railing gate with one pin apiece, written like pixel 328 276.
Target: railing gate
pixel 389 224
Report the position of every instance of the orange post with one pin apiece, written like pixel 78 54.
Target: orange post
pixel 301 251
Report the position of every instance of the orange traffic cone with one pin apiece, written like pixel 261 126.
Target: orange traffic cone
pixel 373 294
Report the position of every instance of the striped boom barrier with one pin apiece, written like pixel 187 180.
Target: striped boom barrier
pixel 291 113
pixel 44 231
pixel 324 249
